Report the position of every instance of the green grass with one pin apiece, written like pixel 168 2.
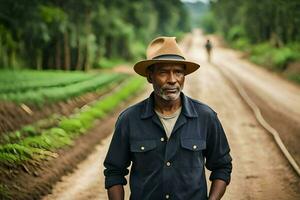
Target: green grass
pixel 41 146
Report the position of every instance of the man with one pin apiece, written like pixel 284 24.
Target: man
pixel 208 47
pixel 168 138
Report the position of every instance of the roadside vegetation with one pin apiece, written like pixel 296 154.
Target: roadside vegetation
pixel 268 32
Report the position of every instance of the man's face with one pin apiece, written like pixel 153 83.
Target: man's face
pixel 167 80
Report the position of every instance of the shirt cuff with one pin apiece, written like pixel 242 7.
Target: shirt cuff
pixel 220 175
pixel 114 180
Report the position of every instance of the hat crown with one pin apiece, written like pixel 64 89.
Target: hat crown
pixel 163 46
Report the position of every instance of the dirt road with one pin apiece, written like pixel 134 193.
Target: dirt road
pixel 260 171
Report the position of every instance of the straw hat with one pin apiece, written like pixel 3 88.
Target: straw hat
pixel 164 50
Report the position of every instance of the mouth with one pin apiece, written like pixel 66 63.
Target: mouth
pixel 171 90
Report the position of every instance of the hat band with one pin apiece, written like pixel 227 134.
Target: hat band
pixel 168 57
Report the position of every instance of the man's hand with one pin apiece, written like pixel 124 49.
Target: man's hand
pixel 116 192
pixel 217 189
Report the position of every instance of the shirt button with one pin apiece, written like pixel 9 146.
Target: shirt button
pixel 142 148
pixel 168 164
pixel 194 147
pixel 167 196
pixel 162 139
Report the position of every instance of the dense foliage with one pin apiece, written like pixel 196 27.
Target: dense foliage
pixel 74 34
pixel 276 20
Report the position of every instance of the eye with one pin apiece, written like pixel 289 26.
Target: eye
pixel 179 73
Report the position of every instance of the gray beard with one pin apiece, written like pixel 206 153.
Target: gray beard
pixel 168 97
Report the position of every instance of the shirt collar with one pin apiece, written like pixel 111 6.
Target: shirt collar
pixel 187 107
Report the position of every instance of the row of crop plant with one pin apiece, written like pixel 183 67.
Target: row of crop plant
pixel 17 148
pixel 51 89
pixel 23 80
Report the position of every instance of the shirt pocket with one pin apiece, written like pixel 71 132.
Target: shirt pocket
pixel 143 154
pixel 191 152
pixel 142 146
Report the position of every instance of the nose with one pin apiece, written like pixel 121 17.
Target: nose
pixel 171 78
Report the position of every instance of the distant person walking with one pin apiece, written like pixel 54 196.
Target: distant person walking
pixel 208 47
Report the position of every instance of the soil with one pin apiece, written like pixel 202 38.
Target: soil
pixel 31 181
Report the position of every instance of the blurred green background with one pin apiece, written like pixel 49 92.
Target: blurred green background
pixel 80 35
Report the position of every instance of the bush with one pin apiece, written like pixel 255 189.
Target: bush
pixel 261 54
pixel 235 33
pixel 242 44
pixel 283 56
pixel 274 58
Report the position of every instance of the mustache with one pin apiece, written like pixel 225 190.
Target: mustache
pixel 170 87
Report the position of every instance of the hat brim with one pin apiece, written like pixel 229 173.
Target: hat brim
pixel 141 67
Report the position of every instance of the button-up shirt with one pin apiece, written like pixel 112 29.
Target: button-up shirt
pixel 167 168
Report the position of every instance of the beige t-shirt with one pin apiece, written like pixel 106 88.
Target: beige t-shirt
pixel 168 121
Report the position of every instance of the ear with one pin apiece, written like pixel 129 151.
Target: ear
pixel 149 78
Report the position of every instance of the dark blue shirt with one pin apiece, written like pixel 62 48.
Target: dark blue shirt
pixel 167 168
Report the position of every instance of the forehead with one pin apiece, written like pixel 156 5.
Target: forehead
pixel 169 66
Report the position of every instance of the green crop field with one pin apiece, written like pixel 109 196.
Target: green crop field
pixel 28 144
pixel 20 81
pixel 39 87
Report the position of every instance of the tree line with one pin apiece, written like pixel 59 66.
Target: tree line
pixel 75 35
pixel 277 21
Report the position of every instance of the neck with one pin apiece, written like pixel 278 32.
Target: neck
pixel 166 107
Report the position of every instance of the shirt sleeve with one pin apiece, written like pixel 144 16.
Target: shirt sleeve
pixel 218 159
pixel 117 158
